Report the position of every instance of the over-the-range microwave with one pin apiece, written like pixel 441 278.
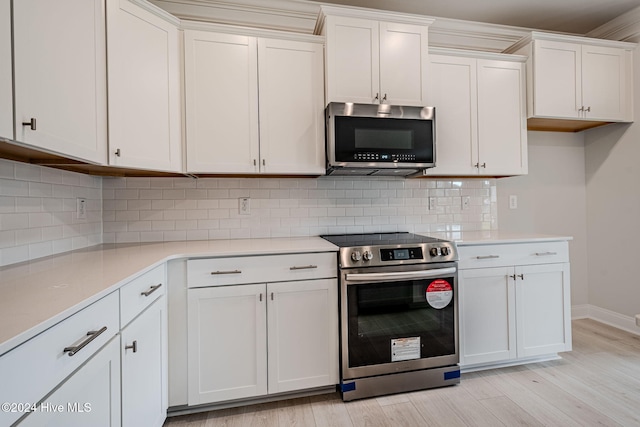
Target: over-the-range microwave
pixel 379 139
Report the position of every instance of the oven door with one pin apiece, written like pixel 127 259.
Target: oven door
pixel 398 319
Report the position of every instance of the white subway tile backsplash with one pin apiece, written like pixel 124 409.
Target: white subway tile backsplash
pixel 37 208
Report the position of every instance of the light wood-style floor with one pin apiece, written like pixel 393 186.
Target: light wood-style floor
pixel 598 383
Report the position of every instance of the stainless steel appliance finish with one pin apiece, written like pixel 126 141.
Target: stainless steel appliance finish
pixel 398 313
pixel 379 139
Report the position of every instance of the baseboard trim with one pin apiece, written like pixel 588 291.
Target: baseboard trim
pixel 608 317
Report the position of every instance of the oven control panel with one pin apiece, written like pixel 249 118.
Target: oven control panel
pixel 361 256
pixel 400 254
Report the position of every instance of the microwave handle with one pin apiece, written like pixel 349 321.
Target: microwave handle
pixel 381 277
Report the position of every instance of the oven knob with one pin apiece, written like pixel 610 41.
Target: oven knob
pixel 356 256
pixel 445 251
pixel 434 252
pixel 368 256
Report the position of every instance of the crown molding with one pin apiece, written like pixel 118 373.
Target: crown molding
pixel 305 17
pixel 625 27
pixel 284 15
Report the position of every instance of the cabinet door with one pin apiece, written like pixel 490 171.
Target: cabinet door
pixel 6 82
pixel 487 315
pixel 303 334
pixel 89 397
pixel 143 349
pixel 543 308
pixel 353 55
pixel 453 92
pixel 221 80
pixel 557 88
pixel 60 76
pixel 403 64
pixel 144 89
pixel 227 343
pixel 291 107
pixel 502 127
pixel 604 82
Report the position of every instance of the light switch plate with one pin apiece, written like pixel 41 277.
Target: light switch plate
pixel 513 202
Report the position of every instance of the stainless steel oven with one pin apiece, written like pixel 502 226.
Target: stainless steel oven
pixel 398 313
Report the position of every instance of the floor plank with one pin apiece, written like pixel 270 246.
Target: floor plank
pixel 598 383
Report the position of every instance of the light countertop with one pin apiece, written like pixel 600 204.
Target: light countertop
pixel 38 294
pixel 468 238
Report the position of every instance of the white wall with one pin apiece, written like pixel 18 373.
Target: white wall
pixel 552 199
pixel 613 212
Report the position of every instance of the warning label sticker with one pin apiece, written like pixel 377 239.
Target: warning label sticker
pixel 439 293
pixel 405 349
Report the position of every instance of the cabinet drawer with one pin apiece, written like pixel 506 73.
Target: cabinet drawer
pixel 138 294
pixel 500 255
pixel 33 369
pixel 260 269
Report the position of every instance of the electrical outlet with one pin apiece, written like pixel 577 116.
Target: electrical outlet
pixel 81 208
pixel 432 203
pixel 244 206
pixel 466 203
pixel 513 201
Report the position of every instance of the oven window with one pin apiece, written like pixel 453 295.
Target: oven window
pixel 384 314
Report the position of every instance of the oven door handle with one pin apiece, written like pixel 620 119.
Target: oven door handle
pixel 380 277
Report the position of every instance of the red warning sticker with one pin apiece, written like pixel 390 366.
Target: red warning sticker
pixel 439 293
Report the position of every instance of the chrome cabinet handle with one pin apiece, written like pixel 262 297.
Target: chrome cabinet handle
pixel 377 97
pixel 254 162
pixel 478 165
pixel 31 123
pixel 226 272
pixel 304 267
pixel 92 336
pixel 581 109
pixel 487 256
pixel 264 162
pixel 117 153
pixel 384 98
pixel 133 346
pixel 151 290
pixel 513 276
pixel 521 276
pixel 546 253
pixel 271 296
pixel 588 110
pixel 260 296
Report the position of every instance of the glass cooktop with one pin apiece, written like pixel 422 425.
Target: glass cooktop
pixel 372 239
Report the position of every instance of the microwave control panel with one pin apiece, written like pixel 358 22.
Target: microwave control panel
pixel 384 157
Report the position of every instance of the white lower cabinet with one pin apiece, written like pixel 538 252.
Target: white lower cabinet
pixel 144 349
pixel 257 339
pixel 509 311
pixel 90 397
pixel 144 374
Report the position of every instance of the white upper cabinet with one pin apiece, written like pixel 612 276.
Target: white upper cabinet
pixel 144 88
pixel 480 113
pixel 291 107
pixel 6 91
pixel 234 128
pixel 584 82
pixel 60 76
pixel 373 57
pixel 221 103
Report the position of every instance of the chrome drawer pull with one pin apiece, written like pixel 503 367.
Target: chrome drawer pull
pixel 546 253
pixel 133 346
pixel 92 336
pixel 304 267
pixel 487 256
pixel 151 290
pixel 226 272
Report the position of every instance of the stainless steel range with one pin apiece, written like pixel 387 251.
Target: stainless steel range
pixel 398 313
